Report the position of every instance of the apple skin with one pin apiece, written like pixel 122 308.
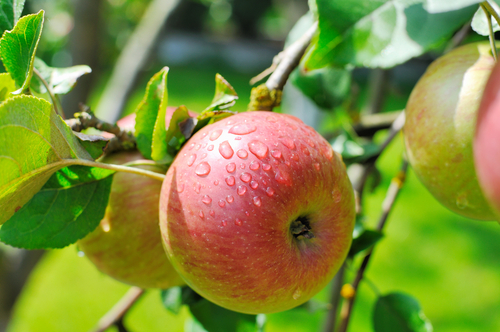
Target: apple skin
pixel 440 124
pixel 227 224
pixel 127 244
pixel 487 141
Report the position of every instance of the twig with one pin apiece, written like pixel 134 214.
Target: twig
pixel 491 34
pixel 113 167
pixel 459 37
pixel 268 95
pixel 51 93
pixel 115 315
pixel 493 9
pixel 387 204
pixel 377 90
pixel 331 317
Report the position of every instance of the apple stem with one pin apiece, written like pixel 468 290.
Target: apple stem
pixel 120 168
pixel 115 315
pixel 387 205
pixel 491 33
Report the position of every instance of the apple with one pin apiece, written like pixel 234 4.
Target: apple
pixel 487 141
pixel 257 212
pixel 127 244
pixel 440 123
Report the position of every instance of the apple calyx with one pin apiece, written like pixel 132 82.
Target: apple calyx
pixel 301 228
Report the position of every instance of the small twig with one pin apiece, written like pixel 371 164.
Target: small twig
pixel 459 37
pixel 493 9
pixel 377 89
pixel 116 314
pixel 118 168
pixel 491 34
pixel 331 318
pixel 50 92
pixel 387 204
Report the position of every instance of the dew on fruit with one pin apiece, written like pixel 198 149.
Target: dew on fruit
pixel 230 180
pixel 202 215
pixel 305 150
pixel 191 160
pixel 212 213
pixel 215 134
pixel 206 199
pixel 317 166
pixel 282 176
pixel 271 119
pixel 180 188
pixel 264 182
pixel 230 198
pixel 226 150
pixel 106 227
pixel 216 182
pixel 462 201
pixel 222 203
pixel 257 201
pixel 259 149
pixel 224 223
pixel 254 165
pixel 242 129
pixel 197 187
pixel 202 169
pixel 296 295
pixel 247 214
pixel 197 147
pixel 276 154
pixel 231 167
pixel 242 154
pixel 237 138
pixel 246 177
pixel 238 222
pixel 266 167
pixel 310 142
pixel 210 147
pixel 242 166
pixel 288 142
pixel 270 191
pixel 254 184
pixel 191 146
pixel 203 155
pixel 241 190
pixel 294 157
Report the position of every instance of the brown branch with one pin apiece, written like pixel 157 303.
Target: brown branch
pixel 116 314
pixel 387 205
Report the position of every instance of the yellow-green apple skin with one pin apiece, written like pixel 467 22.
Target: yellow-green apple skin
pixel 487 141
pixel 257 212
pixel 440 124
pixel 127 243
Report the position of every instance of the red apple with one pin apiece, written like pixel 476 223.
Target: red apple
pixel 257 212
pixel 487 141
pixel 440 124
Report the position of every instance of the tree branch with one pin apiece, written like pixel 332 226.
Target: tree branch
pixel 390 198
pixel 116 314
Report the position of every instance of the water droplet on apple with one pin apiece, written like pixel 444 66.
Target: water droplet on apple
pixel 266 167
pixel 247 213
pixel 254 165
pixel 270 191
pixel 230 180
pixel 238 222
pixel 237 138
pixel 310 142
pixel 282 176
pixel 197 187
pixel 210 147
pixel 215 134
pixel 288 142
pixel 257 201
pixel 294 157
pixel 216 182
pixel 230 198
pixel 259 149
pixel 462 201
pixel 242 166
pixel 197 147
pixel 305 150
pixel 254 184
pixel 276 154
pixel 271 119
pixel 191 160
pixel 202 215
pixel 245 177
pixel 317 166
pixel 203 156
pixel 202 169
pixel 296 295
pixel 180 188
pixel 224 223
pixel 206 199
pixel 212 213
pixel 242 129
pixel 242 154
pixel 191 146
pixel 231 167
pixel 241 190
pixel 226 150
pixel 222 203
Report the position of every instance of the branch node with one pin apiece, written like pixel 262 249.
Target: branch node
pixel 263 99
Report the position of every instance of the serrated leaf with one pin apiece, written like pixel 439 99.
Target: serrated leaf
pixel 10 12
pixel 380 33
pixel 7 86
pixel 36 142
pixel 480 23
pixel 148 112
pixel 159 147
pixel 174 134
pixel 68 207
pixel 60 80
pixel 398 312
pixel 93 144
pixel 363 241
pixel 224 97
pixel 18 48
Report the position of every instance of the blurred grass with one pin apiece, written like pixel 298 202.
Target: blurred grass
pixel 449 263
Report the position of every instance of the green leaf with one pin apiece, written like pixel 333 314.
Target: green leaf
pixel 172 299
pixel 36 142
pixel 224 97
pixel 10 12
pixel 93 144
pixel 18 48
pixel 68 207
pixel 148 112
pixel 379 33
pixel 7 86
pixel 174 134
pixel 398 312
pixel 60 80
pixel 480 23
pixel 363 241
pixel 438 6
pixel 354 149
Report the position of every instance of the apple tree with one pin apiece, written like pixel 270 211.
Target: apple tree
pixel 236 216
